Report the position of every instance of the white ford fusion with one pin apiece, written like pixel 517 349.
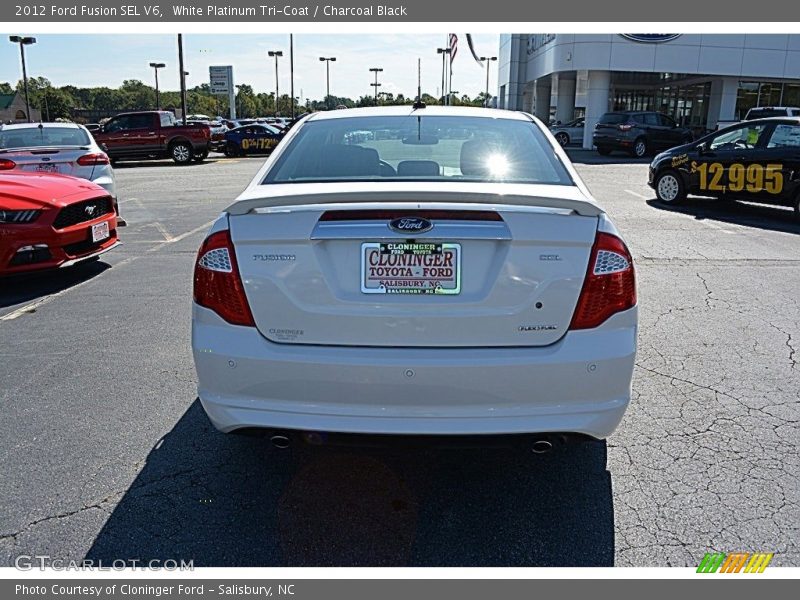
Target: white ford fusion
pixel 427 270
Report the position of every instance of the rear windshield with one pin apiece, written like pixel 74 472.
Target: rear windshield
pixel 35 137
pixel 419 148
pixel 613 118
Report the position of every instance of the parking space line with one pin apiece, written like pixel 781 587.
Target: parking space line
pixel 33 306
pixel 632 193
pixel 163 231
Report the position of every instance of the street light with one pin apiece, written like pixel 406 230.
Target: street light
pixel 376 85
pixel 24 41
pixel 444 52
pixel 156 66
pixel 277 54
pixel 488 60
pixel 327 77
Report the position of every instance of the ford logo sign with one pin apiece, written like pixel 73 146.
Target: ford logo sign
pixel 650 38
pixel 410 225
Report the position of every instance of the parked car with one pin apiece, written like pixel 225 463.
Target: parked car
pixel 50 221
pixel 638 133
pixel 763 112
pixel 569 133
pixel 251 139
pixel 415 287
pixel 153 135
pixel 65 148
pixel 755 161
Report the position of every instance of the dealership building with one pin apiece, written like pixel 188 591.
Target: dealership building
pixel 696 79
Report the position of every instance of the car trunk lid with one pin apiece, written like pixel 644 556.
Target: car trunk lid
pixel 501 272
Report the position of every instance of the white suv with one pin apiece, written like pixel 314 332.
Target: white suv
pixel 415 282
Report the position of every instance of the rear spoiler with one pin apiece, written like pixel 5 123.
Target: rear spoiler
pixel 281 196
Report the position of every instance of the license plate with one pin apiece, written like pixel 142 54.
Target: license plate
pixel 47 168
pixel 100 232
pixel 410 268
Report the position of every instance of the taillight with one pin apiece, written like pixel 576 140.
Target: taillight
pixel 625 127
pixel 95 158
pixel 217 284
pixel 6 165
pixel 610 284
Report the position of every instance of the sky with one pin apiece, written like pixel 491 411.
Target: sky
pixel 87 60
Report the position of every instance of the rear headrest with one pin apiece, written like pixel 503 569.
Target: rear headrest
pixel 342 160
pixel 474 155
pixel 420 168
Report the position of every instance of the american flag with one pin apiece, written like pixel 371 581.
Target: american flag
pixel 453 45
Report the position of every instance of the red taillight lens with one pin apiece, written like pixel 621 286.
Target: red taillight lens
pixel 95 158
pixel 7 165
pixel 625 127
pixel 610 284
pixel 217 284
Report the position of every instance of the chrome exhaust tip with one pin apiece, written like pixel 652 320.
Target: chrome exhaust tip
pixel 279 441
pixel 542 446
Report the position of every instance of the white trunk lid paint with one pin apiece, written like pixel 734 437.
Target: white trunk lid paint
pixel 520 277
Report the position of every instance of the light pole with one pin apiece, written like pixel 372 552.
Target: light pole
pixel 291 72
pixel 183 74
pixel 444 52
pixel 328 78
pixel 488 60
pixel 184 102
pixel 24 41
pixel 156 66
pixel 277 54
pixel 376 85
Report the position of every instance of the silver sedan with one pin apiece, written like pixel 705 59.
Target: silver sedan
pixel 569 133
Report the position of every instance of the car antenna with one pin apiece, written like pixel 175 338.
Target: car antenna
pixel 418 103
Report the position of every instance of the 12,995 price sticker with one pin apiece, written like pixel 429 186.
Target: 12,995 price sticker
pixel 752 178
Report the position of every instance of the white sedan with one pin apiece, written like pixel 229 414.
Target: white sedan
pixel 415 282
pixel 63 148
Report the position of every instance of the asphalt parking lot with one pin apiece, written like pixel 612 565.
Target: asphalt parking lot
pixel 108 455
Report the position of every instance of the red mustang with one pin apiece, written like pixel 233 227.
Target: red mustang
pixel 49 221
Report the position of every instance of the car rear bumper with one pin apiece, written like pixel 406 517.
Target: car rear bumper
pixel 580 384
pixel 611 141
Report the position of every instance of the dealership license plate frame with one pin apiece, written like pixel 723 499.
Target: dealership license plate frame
pixel 100 232
pixel 439 291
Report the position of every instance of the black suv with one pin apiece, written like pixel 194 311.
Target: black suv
pixel 638 133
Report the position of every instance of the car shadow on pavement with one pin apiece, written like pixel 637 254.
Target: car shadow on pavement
pixel 582 156
pixel 167 162
pixel 19 289
pixel 762 216
pixel 227 500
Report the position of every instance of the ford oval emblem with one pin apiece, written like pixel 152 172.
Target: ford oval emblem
pixel 650 38
pixel 410 225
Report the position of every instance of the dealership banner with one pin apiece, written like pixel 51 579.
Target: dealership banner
pixel 389 11
pixel 399 589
